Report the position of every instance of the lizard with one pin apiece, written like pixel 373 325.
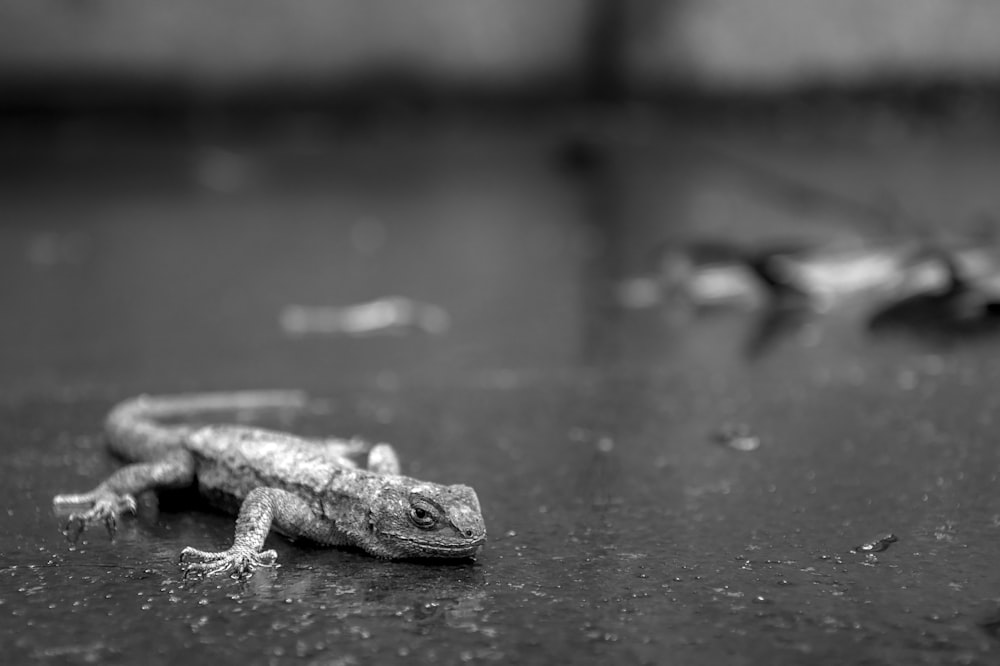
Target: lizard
pixel 301 488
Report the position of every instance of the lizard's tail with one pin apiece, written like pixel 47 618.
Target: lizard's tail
pixel 136 433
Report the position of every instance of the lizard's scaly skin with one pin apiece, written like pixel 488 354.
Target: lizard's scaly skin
pixel 299 487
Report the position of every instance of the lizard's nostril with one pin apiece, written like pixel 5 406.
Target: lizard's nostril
pixel 468 533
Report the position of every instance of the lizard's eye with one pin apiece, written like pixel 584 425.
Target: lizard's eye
pixel 422 516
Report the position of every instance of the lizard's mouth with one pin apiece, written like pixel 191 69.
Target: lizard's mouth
pixel 458 549
pixel 427 548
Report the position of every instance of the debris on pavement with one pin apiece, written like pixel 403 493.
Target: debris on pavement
pixel 876 545
pixel 392 314
pixel 737 436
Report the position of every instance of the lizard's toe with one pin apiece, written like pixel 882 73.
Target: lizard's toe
pixel 239 562
pixel 73 528
pixel 105 509
pixel 111 525
pixel 190 554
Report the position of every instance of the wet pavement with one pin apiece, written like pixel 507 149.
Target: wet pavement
pixel 660 484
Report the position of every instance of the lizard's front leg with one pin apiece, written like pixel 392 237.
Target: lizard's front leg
pixel 116 495
pixel 262 507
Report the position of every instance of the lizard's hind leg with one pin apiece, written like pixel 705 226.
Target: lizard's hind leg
pixel 116 494
pixel 382 459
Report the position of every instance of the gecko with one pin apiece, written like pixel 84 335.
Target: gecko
pixel 298 487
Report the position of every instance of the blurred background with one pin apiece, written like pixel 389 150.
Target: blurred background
pixel 467 128
pixel 638 47
pixel 700 295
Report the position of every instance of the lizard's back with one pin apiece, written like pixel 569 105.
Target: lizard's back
pixel 233 460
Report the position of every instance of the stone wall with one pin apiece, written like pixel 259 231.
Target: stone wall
pixel 720 43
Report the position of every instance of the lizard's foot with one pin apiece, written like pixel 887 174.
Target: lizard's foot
pixel 105 507
pixel 237 561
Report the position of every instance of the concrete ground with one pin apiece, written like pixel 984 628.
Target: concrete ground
pixel 627 522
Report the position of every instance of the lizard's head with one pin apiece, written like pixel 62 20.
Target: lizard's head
pixel 426 520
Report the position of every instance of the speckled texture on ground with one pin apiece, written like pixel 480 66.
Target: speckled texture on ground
pixel 621 530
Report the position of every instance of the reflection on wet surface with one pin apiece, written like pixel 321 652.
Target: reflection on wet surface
pixel 619 531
